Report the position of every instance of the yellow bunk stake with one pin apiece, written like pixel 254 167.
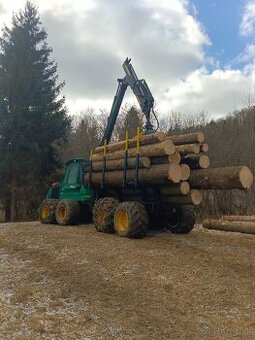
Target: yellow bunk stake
pixel 125 161
pixel 104 164
pixel 137 156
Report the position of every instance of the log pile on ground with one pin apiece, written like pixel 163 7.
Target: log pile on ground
pixel 178 165
pixel 241 224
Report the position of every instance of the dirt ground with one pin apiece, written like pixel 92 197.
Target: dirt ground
pixel 75 283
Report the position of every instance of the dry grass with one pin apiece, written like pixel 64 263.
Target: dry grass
pixel 75 283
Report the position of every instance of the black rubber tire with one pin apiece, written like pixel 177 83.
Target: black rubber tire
pixel 47 211
pixel 137 220
pixel 103 213
pixel 71 213
pixel 180 220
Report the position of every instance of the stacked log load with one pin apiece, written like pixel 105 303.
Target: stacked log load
pixel 178 165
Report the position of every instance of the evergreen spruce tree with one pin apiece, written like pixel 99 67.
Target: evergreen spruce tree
pixel 33 119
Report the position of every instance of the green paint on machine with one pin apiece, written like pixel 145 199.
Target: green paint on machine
pixel 72 185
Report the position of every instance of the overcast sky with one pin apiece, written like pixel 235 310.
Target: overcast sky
pixel 194 54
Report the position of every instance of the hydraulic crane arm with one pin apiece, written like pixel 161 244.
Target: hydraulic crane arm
pixel 142 93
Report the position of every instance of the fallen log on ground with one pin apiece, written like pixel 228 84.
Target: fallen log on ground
pixel 194 197
pixel 241 218
pixel 235 226
pixel 150 150
pixel 232 177
pixel 196 161
pixel 144 140
pixel 147 175
pixel 118 164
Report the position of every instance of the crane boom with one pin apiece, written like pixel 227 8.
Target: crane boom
pixel 142 93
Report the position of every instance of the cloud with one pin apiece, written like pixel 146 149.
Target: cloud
pixel 163 39
pixel 219 92
pixel 248 55
pixel 167 44
pixel 247 26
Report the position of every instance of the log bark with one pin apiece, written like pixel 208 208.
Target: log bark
pixel 196 161
pixel 185 172
pixel 144 140
pixel 242 227
pixel 151 150
pixel 232 177
pixel 189 138
pixel 182 188
pixel 156 172
pixel 118 164
pixel 187 149
pixel 240 218
pixel 194 197
pixel 171 159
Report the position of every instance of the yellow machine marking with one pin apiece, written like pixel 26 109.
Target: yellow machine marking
pixel 138 136
pixel 126 141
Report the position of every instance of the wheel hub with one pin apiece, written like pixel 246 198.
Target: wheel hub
pixel 122 220
pixel 45 212
pixel 62 213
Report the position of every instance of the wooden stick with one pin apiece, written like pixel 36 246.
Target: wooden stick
pixel 171 159
pixel 241 218
pixel 182 188
pixel 242 227
pixel 188 148
pixel 118 164
pixel 151 150
pixel 231 177
pixel 196 161
pixel 148 175
pixel 144 140
pixel 194 197
pixel 189 138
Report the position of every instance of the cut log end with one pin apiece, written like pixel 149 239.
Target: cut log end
pixel 204 147
pixel 174 173
pixel 169 148
pixel 174 158
pixel 204 162
pixel 246 177
pixel 185 172
pixel 196 197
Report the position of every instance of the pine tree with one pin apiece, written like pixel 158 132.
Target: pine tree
pixel 32 112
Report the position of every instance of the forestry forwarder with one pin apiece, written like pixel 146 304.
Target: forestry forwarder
pixel 127 209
